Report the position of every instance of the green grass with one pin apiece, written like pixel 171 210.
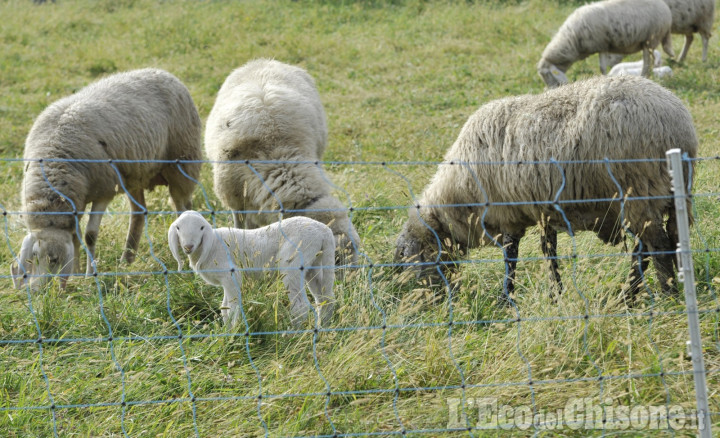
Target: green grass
pixel 398 79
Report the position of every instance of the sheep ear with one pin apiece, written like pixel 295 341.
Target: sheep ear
pixel 207 241
pixel 24 259
pixel 174 243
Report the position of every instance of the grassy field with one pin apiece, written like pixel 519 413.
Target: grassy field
pixel 138 353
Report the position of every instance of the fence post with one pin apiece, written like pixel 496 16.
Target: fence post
pixel 686 275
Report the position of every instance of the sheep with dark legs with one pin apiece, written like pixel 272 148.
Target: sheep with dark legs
pixel 615 118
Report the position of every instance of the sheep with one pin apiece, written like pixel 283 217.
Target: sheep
pixel 143 114
pixel 270 111
pixel 616 26
pixel 297 247
pixel 620 69
pixel 635 68
pixel 492 171
pixel 690 16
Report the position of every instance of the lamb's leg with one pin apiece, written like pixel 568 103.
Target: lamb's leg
pixel 91 233
pixel 511 245
pixel 705 38
pixel 548 242
pixel 299 304
pixel 137 223
pixel 686 48
pixel 672 231
pixel 321 288
pixel 230 309
pixel 76 256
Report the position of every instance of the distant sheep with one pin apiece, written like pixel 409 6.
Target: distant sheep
pixel 137 115
pixel 615 26
pixel 300 248
pixel 690 16
pixel 506 191
pixel 270 111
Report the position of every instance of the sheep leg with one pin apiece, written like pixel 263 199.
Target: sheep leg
pixel 91 233
pixel 137 223
pixel 321 288
pixel 230 308
pixel 638 268
pixel 511 247
pixel 76 256
pixel 660 244
pixel 548 242
pixel 686 47
pixel 705 39
pixel 608 60
pixel 299 303
pixel 648 57
pixel 672 232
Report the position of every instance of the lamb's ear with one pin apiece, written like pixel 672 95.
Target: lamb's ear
pixel 208 236
pixel 25 258
pixel 174 243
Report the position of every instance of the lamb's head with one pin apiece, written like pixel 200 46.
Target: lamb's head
pixel 553 75
pixel 187 235
pixel 44 253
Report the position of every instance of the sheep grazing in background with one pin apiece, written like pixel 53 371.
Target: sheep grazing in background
pixel 137 115
pixel 690 16
pixel 301 249
pixel 615 26
pixel 506 191
pixel 270 111
pixel 635 68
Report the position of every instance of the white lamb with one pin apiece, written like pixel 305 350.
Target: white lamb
pixel 300 248
pixel 634 68
pixel 620 27
pixel 269 114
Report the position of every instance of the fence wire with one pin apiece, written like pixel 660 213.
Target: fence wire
pixel 467 397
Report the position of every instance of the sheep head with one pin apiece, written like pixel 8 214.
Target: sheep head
pixel 420 245
pixel 44 253
pixel 553 75
pixel 187 235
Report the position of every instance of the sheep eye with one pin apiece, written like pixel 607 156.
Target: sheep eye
pixel 202 228
pixel 177 227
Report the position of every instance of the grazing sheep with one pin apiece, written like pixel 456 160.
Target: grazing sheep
pixel 300 248
pixel 690 16
pixel 618 118
pixel 615 26
pixel 137 115
pixel 270 111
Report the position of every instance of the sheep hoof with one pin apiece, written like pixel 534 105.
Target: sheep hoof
pixel 128 257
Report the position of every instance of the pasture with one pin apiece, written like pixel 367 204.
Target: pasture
pixel 140 352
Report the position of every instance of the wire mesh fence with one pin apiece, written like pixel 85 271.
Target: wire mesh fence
pixel 129 345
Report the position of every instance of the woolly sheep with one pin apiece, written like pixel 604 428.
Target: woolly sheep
pixel 619 118
pixel 298 247
pixel 137 115
pixel 616 26
pixel 271 111
pixel 690 16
